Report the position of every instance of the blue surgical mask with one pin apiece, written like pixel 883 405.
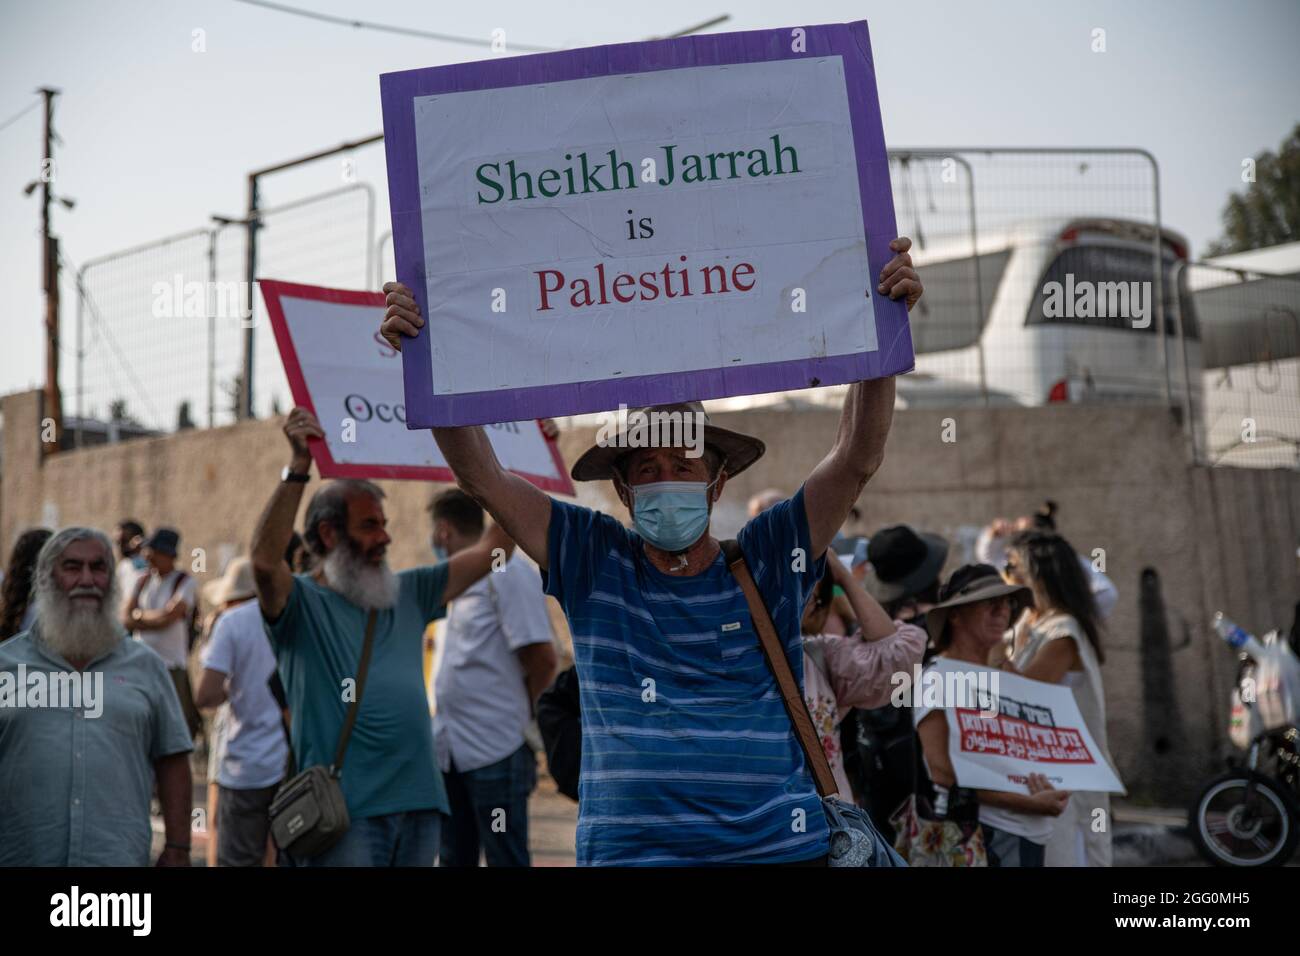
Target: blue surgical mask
pixel 671 515
pixel 439 552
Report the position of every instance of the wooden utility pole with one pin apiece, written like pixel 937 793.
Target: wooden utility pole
pixel 50 276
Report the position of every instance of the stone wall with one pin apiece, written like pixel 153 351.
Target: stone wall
pixel 1192 540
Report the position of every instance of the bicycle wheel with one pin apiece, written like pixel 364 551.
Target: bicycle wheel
pixel 1230 830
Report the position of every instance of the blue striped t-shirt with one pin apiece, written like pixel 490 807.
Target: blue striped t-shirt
pixel 688 755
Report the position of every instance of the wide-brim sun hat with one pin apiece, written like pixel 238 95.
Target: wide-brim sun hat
pixel 738 451
pixel 235 585
pixel 970 584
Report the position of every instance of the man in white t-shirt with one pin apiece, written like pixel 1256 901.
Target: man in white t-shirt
pixel 238 663
pixel 159 611
pixel 497 658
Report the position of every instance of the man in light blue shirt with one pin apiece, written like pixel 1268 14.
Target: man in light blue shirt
pixel 88 721
pixel 688 756
pixel 317 623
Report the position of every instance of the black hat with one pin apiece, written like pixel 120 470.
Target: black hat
pixel 904 562
pixel 164 541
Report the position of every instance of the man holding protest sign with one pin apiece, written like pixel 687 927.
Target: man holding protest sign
pixel 318 623
pixel 688 754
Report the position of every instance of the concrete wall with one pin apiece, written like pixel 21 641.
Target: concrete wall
pixel 1221 538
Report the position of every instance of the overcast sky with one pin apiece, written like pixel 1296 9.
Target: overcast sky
pixel 157 137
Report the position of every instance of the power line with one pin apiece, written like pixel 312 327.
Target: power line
pixel 445 37
pixel 389 28
pixel 712 22
pixel 21 113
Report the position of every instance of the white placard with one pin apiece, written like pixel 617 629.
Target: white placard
pixel 1003 727
pixel 340 367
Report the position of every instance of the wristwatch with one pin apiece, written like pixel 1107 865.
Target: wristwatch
pixel 289 475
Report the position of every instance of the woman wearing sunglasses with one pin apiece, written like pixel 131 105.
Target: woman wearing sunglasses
pixel 1058 640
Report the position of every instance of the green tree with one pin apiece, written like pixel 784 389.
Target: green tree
pixel 1269 212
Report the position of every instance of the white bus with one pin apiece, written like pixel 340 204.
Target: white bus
pixel 1026 336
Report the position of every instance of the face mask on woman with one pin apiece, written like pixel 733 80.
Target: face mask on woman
pixel 671 515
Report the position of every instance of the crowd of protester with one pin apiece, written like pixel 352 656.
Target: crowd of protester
pixel 666 729
pixel 878 606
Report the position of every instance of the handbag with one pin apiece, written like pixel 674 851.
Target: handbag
pixel 559 718
pixel 854 840
pixel 309 813
pixel 924 841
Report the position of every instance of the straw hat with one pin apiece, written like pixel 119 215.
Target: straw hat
pixel 235 585
pixel 597 462
pixel 971 583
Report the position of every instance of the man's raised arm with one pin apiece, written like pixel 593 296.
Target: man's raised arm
pixel 522 509
pixel 271 576
pixel 859 449
pixel 467 566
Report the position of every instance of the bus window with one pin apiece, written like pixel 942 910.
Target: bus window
pixel 946 317
pixel 1098 280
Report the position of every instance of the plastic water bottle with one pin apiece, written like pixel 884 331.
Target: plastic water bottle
pixel 1277 673
pixel 1237 638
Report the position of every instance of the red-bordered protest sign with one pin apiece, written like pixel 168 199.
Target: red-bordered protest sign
pixel 340 367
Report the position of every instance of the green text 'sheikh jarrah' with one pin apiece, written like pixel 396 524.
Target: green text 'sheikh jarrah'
pixel 583 177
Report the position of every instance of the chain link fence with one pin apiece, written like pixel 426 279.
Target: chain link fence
pixel 1049 277
pixel 1041 277
pixel 144 323
pixel 1249 352
pixel 160 327
pixel 326 240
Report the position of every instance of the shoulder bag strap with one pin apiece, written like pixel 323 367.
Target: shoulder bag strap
pixel 346 733
pixel 791 694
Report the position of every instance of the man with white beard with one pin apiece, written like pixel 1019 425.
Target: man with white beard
pixel 88 721
pixel 395 795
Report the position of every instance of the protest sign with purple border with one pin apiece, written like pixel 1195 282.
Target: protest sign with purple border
pixel 641 223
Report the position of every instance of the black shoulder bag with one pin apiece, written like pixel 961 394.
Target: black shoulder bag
pixel 309 814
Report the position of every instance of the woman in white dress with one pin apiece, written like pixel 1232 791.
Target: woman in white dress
pixel 1058 640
